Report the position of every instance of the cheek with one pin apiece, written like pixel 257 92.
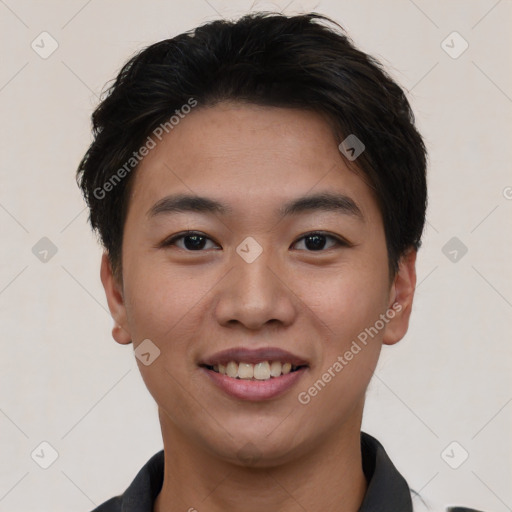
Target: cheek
pixel 348 305
pixel 346 302
pixel 165 306
pixel 348 354
pixel 162 299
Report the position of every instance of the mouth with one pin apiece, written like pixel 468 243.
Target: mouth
pixel 264 370
pixel 254 374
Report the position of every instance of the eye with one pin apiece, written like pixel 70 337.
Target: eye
pixel 195 241
pixel 192 241
pixel 316 241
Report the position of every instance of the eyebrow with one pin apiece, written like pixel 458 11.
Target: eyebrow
pixel 325 201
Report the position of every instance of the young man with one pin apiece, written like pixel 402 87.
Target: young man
pixel 259 189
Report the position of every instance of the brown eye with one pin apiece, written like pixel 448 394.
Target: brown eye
pixel 319 241
pixel 189 241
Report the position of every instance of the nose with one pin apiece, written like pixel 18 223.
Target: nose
pixel 254 294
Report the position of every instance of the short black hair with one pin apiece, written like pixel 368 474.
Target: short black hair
pixel 305 61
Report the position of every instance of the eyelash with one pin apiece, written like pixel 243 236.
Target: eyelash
pixel 339 242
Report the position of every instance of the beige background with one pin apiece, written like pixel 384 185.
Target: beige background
pixel 64 380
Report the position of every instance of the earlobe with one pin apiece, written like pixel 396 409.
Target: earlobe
pixel 115 300
pixel 401 298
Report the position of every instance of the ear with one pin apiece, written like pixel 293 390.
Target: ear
pixel 114 293
pixel 401 297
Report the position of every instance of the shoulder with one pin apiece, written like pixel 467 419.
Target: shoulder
pixel 143 490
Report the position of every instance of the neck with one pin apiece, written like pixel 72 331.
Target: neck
pixel 329 477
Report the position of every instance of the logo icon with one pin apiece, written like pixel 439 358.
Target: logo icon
pixel 351 147
pixel 454 45
pixel 454 455
pixel 44 250
pixel 147 352
pixel 44 455
pixel 249 249
pixel 454 249
pixel 44 45
pixel 249 453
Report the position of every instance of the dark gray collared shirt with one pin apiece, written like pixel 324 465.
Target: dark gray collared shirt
pixel 387 489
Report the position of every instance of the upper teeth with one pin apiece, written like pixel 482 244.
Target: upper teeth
pixel 259 371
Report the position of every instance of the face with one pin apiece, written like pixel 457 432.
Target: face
pixel 254 268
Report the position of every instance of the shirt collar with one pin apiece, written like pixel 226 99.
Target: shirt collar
pixel 387 489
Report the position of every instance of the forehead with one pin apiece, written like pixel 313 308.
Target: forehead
pixel 252 157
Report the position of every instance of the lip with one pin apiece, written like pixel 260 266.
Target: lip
pixel 253 356
pixel 254 390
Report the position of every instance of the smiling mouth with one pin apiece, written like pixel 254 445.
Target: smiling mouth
pixel 264 370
